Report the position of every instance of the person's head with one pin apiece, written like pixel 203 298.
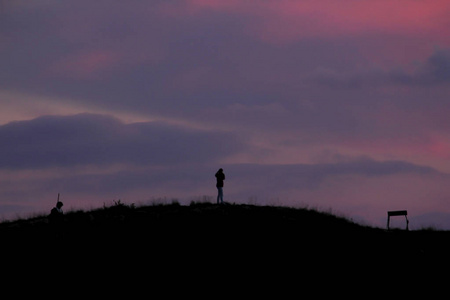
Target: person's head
pixel 220 170
pixel 59 204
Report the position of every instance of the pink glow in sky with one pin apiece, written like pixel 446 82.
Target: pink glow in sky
pixel 85 65
pixel 339 105
pixel 288 20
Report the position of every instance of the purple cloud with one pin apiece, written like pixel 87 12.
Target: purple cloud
pixel 87 139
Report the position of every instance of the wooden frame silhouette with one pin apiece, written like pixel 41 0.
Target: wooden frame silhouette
pixel 394 213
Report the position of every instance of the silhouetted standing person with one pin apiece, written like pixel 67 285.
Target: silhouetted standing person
pixel 220 176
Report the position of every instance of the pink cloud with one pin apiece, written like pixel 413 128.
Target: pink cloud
pixel 86 65
pixel 286 20
pixel 430 149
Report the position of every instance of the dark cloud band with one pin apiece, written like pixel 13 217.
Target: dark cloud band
pixel 88 139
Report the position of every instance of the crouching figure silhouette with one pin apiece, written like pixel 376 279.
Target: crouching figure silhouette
pixel 56 219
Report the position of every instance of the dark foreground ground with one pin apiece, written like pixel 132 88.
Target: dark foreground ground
pixel 224 243
pixel 223 230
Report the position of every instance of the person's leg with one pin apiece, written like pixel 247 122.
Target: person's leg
pixel 218 194
pixel 221 194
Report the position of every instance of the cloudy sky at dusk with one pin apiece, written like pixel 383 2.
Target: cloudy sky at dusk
pixel 337 105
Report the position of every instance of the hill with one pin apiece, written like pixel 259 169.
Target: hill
pixel 240 234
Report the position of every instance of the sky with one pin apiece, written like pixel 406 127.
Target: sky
pixel 341 106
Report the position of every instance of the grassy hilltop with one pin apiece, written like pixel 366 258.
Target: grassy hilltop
pixel 203 232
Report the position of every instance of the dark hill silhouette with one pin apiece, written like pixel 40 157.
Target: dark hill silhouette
pixel 197 220
pixel 202 234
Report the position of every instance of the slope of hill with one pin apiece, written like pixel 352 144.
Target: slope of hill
pixel 204 232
